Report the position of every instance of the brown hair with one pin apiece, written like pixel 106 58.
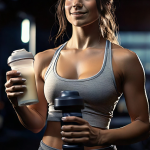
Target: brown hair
pixel 108 26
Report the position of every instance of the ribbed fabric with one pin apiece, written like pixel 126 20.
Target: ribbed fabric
pixel 99 91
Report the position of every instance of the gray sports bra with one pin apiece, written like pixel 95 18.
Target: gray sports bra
pixel 99 91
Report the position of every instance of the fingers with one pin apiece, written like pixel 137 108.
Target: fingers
pixel 13 81
pixel 83 133
pixel 74 119
pixel 15 91
pixel 13 95
pixel 75 128
pixel 12 73
pixel 74 134
pixel 15 88
pixel 76 140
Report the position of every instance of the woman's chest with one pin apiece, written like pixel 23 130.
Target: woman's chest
pixel 79 65
pixel 83 65
pixel 90 75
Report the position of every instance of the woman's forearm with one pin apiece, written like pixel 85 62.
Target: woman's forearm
pixel 30 119
pixel 129 134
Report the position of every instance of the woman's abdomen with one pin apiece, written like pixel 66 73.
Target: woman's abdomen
pixel 52 136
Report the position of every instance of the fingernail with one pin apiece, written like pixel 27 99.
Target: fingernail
pixel 63 118
pixel 62 127
pixel 62 138
pixel 19 72
pixel 23 79
pixel 21 92
pixel 24 86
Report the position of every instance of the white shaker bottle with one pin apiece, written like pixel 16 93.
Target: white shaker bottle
pixel 22 61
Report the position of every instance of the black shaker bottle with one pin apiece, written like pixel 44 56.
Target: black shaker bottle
pixel 71 104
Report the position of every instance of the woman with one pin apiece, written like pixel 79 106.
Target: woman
pixel 93 63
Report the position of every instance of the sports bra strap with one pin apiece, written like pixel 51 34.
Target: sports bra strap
pixel 54 56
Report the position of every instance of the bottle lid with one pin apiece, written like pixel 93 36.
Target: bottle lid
pixel 69 100
pixel 18 55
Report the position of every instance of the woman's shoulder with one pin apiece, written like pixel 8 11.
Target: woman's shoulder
pixel 124 58
pixel 121 50
pixel 122 54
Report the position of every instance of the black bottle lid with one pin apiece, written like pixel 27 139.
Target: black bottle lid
pixel 69 100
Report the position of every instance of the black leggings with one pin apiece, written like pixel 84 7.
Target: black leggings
pixel 43 146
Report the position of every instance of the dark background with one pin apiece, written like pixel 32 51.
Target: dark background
pixel 133 17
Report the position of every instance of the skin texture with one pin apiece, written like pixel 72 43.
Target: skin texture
pixel 86 50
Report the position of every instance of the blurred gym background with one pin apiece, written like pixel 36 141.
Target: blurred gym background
pixel 133 17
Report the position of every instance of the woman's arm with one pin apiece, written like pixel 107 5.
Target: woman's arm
pixel 136 101
pixel 32 117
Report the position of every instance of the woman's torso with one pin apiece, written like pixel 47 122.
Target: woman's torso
pixel 90 60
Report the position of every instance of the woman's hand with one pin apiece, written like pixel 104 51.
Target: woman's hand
pixel 87 135
pixel 14 86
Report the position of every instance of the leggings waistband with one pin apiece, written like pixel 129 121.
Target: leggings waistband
pixel 43 146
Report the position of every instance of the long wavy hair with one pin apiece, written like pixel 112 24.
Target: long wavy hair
pixel 108 26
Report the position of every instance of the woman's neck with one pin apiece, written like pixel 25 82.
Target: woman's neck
pixel 85 37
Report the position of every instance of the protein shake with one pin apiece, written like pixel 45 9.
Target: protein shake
pixel 22 61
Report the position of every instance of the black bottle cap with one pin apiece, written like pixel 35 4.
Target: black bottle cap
pixel 69 100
